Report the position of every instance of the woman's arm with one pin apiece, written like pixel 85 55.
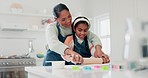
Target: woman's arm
pixel 52 39
pixel 94 39
pixel 59 47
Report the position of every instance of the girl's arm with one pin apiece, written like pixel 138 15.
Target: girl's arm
pixel 100 54
pixel 96 51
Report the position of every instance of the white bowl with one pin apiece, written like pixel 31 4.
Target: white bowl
pixel 58 64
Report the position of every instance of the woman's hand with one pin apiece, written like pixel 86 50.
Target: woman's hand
pixel 100 54
pixel 74 57
pixel 66 57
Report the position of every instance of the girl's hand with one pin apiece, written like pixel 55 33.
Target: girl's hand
pixel 100 54
pixel 103 56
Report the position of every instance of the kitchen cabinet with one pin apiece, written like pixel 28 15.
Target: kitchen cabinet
pixel 23 21
pixel 26 14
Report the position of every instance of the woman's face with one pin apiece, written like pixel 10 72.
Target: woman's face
pixel 81 30
pixel 65 18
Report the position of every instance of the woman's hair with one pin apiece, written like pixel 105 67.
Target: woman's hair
pixel 58 8
pixel 76 22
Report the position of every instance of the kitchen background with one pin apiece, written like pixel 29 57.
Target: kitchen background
pixel 22 21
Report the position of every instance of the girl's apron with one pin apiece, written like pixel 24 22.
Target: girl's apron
pixel 82 49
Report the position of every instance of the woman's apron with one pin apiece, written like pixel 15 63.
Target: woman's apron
pixel 54 56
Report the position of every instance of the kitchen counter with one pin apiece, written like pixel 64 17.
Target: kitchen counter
pixel 67 72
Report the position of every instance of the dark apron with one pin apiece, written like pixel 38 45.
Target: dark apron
pixel 81 49
pixel 54 56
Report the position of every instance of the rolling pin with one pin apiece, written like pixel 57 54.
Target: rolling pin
pixel 92 61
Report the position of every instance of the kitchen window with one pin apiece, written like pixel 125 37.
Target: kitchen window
pixel 102 29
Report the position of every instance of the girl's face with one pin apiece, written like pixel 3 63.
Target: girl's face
pixel 65 18
pixel 81 30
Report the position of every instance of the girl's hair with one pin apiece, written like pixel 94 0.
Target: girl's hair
pixel 58 8
pixel 80 20
pixel 76 22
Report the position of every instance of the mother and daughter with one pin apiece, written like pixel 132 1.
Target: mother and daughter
pixel 71 42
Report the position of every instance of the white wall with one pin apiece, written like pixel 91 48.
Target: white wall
pixel 97 7
pixel 136 11
pixel 119 11
pixel 75 6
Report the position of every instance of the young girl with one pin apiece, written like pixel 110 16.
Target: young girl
pixel 79 42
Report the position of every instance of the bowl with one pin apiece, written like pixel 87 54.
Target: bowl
pixel 40 55
pixel 58 64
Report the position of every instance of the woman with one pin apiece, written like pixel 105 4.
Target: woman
pixel 56 34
